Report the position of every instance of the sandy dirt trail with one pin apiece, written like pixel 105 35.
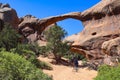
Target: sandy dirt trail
pixel 61 72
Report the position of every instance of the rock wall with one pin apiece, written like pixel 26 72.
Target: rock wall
pixel 101 32
pixel 101 24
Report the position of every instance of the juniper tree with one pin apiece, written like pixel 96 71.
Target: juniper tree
pixel 54 37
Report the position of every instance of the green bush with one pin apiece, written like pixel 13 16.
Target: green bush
pixel 108 73
pixel 15 67
pixel 34 49
pixel 41 64
pixel 9 37
pixel 69 55
pixel 45 65
pixel 25 51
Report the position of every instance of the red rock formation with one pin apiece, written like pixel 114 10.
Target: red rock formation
pixel 8 15
pixel 101 31
pixel 101 24
pixel 29 25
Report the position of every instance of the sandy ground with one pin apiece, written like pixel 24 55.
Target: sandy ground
pixel 61 72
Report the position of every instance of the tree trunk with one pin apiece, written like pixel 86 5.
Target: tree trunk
pixel 57 58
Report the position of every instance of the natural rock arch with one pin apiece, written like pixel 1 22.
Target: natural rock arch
pixel 45 22
pixel 30 24
pixel 97 22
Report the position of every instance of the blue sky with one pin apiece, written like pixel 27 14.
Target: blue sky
pixel 46 8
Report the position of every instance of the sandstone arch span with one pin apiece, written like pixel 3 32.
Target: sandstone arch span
pixel 31 25
pixel 40 24
pixel 50 20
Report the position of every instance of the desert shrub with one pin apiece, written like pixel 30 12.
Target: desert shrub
pixel 15 67
pixel 84 61
pixel 69 55
pixel 41 64
pixel 45 65
pixel 9 37
pixel 34 48
pixel 79 56
pixel 44 51
pixel 106 72
pixel 29 54
pixel 25 51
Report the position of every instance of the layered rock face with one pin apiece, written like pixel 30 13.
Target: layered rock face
pixel 101 24
pixel 112 47
pixel 28 27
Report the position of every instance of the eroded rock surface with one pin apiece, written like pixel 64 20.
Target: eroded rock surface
pixel 112 47
pixel 8 15
pixel 101 23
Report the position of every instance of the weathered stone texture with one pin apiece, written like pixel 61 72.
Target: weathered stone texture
pixel 8 15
